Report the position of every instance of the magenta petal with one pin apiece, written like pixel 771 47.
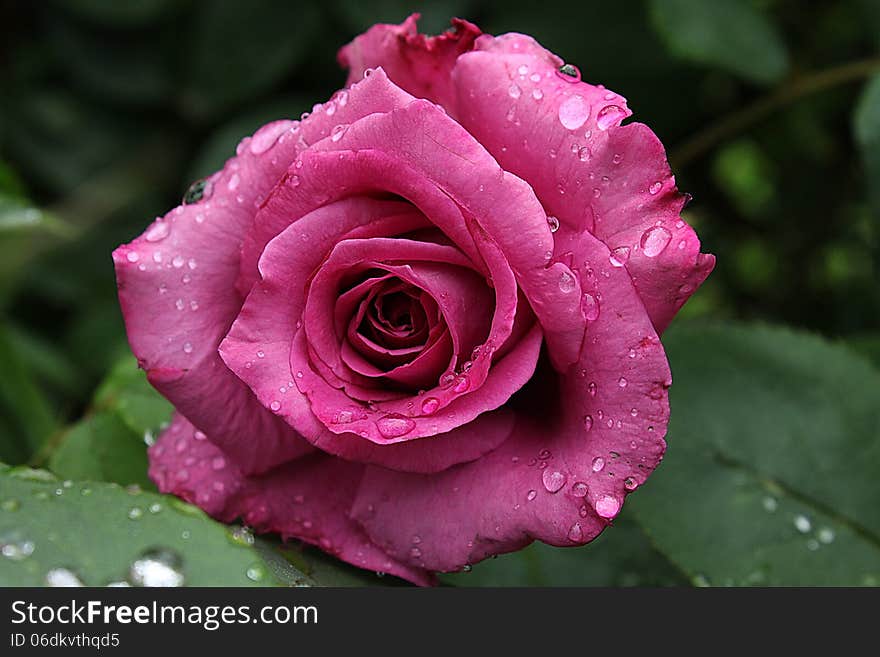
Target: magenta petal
pixel 563 474
pixel 565 138
pixel 177 292
pixel 415 62
pixel 293 500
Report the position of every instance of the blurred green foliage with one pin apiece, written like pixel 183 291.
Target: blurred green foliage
pixel 770 111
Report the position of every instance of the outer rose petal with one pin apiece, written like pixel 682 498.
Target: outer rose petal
pixel 565 139
pixel 177 292
pixel 177 283
pixel 418 63
pixel 546 482
pixel 507 94
pixel 294 500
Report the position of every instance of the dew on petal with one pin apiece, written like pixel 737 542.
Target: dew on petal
pixel 553 480
pixel 574 112
pixel 654 240
pixel 608 116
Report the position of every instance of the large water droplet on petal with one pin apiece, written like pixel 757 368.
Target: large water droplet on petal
pixel 156 232
pixel 569 73
pixel 654 240
pixel 574 112
pixel 266 137
pixel 607 506
pixel 608 116
pixel 394 426
pixel 553 480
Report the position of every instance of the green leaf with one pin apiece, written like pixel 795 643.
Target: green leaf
pixel 99 532
pixel 866 126
pixel 127 393
pixel 102 447
pixel 242 48
pixel 868 345
pixel 293 560
pixel 24 405
pixel 110 443
pixel 770 477
pixel 620 556
pixel 729 34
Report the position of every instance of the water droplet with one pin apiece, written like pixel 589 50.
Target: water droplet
pixel 187 347
pixel 537 94
pixel 619 256
pixel 234 182
pixel 198 435
pixel 617 159
pixel 15 547
pixel 430 406
pixel 218 463
pixel 394 426
pixel 338 132
pixel 266 137
pixel 574 112
pixel 770 504
pixel 654 240
pixel 199 190
pixel 590 307
pixel 553 223
pixel 553 480
pixel 343 417
pixel 825 535
pixel 132 256
pixel 588 422
pixel 62 577
pixel 275 405
pixel 10 505
pixel 532 494
pixel 523 70
pixel 462 383
pixel 514 91
pixel 579 489
pixel 135 513
pixel 178 261
pixel 802 524
pixel 608 116
pixel 655 187
pixel 576 534
pixel 566 282
pixel 569 73
pixel 155 507
pixel 261 353
pixel 255 572
pixel 607 506
pixel 447 379
pixel 630 483
pixel 592 388
pixel 584 154
pixel 621 382
pixel 598 464
pixel 157 567
pixel 157 231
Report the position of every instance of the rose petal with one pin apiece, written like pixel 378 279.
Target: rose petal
pixel 293 500
pixel 588 171
pixel 546 482
pixel 418 63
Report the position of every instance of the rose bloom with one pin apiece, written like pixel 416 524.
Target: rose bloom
pixel 419 327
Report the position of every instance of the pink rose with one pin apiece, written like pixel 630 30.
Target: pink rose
pixel 420 327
